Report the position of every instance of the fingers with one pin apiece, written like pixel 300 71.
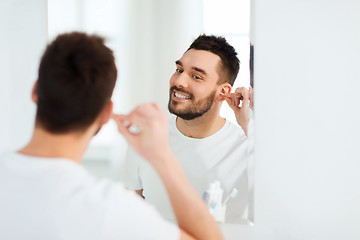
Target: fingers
pixel 234 99
pixel 233 95
pixel 151 138
pixel 232 104
pixel 244 93
pixel 119 119
pixel 140 118
pixel 156 106
pixel 123 124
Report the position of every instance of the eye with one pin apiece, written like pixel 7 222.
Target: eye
pixel 179 70
pixel 196 77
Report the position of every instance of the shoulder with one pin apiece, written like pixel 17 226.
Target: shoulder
pixel 172 124
pixel 8 156
pixel 126 211
pixel 234 129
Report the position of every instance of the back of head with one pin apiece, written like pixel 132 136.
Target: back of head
pixel 77 75
pixel 230 64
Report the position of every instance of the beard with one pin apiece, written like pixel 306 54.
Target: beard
pixel 196 108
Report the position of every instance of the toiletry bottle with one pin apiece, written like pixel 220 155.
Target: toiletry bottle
pixel 214 196
pixel 209 194
pixel 217 193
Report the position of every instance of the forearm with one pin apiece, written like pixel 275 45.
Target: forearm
pixel 192 214
pixel 244 125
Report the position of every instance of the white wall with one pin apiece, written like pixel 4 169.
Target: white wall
pixel 23 38
pixel 307 170
pixel 158 34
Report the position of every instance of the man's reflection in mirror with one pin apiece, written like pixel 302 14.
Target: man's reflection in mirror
pixel 209 147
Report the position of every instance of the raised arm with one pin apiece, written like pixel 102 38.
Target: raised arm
pixel 241 113
pixel 193 217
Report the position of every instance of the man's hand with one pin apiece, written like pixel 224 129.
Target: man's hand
pixel 151 139
pixel 241 113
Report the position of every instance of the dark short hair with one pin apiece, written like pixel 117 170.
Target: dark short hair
pixel 230 64
pixel 77 75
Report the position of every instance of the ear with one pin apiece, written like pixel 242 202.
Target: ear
pixel 34 96
pixel 106 113
pixel 222 89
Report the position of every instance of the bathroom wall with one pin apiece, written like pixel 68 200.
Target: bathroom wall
pixel 23 38
pixel 307 170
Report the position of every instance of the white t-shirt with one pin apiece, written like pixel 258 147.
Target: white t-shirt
pixel 48 198
pixel 223 156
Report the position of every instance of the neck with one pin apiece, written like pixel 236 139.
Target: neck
pixel 45 144
pixel 204 126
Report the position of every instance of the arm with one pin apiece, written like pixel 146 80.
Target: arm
pixel 194 219
pixel 241 113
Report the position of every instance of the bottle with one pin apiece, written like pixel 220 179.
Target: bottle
pixel 213 198
pixel 216 193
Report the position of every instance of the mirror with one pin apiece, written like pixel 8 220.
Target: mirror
pixel 147 38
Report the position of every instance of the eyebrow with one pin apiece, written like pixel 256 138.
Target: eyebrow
pixel 199 70
pixel 178 62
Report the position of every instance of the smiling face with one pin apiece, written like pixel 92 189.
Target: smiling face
pixel 194 85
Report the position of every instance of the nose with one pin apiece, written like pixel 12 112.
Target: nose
pixel 180 80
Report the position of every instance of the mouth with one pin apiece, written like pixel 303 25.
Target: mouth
pixel 179 96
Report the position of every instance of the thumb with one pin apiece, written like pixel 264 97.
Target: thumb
pixel 232 104
pixel 123 124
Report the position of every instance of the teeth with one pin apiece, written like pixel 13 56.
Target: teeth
pixel 178 95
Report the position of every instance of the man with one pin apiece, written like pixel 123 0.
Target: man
pixel 208 146
pixel 47 194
